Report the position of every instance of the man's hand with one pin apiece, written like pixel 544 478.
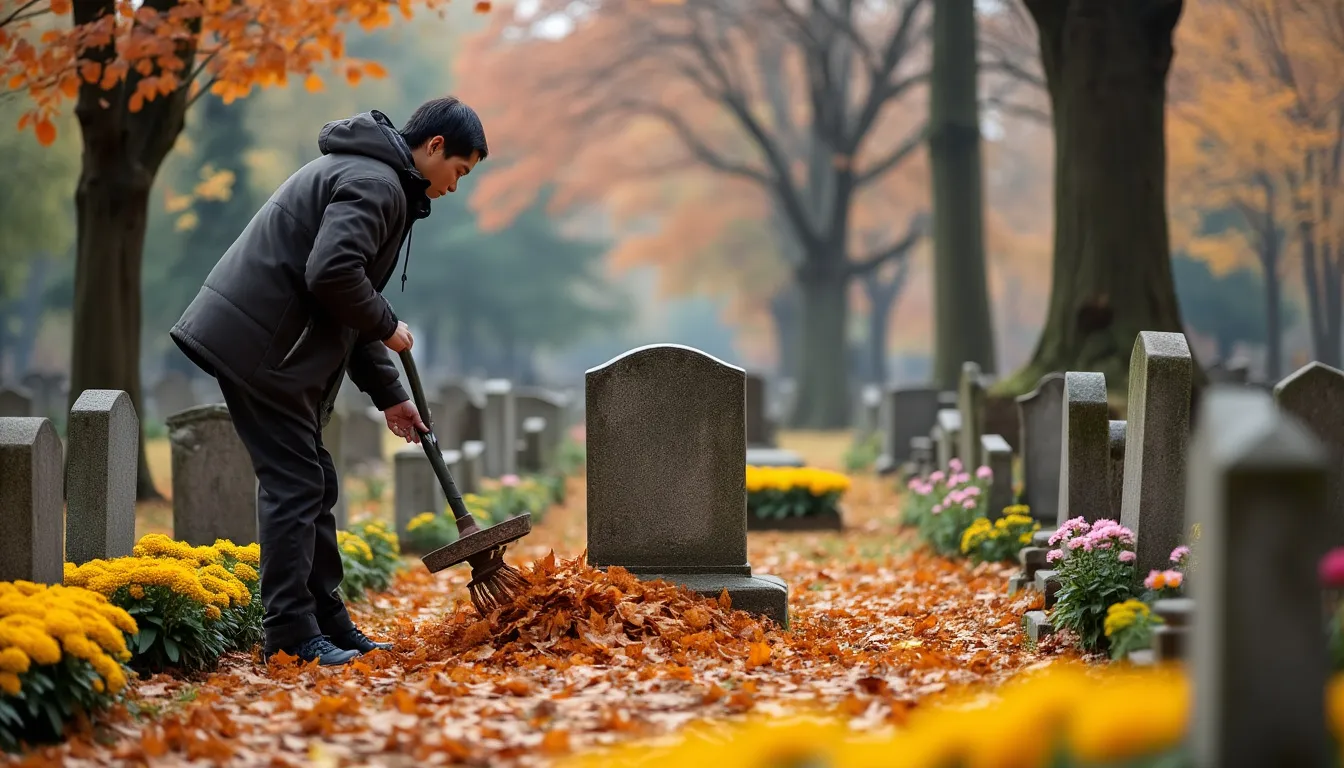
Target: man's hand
pixel 404 421
pixel 400 340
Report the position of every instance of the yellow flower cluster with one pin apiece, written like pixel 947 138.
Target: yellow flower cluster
pixel 159 545
pixel 250 554
pixel 1122 615
pixel 1100 716
pixel 39 623
pixel 420 520
pixel 355 547
pixel 818 482
pixel 377 529
pixel 981 530
pixel 1021 510
pixel 212 585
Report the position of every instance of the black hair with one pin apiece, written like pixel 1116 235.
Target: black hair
pixel 458 124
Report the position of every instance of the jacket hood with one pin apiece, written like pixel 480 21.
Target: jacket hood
pixel 372 134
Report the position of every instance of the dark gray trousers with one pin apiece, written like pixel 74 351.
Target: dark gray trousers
pixel 300 561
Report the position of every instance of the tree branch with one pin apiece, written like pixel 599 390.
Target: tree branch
pixel 899 250
pixel 897 156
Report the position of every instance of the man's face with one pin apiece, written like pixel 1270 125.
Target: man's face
pixel 442 170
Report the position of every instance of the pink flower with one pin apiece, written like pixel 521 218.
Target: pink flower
pixel 913 484
pixel 972 490
pixel 1069 529
pixel 956 497
pixel 968 504
pixel 1078 542
pixel 954 464
pixel 961 479
pixel 1126 556
pixel 937 509
pixel 508 481
pixel 937 476
pixel 1331 569
pixel 984 473
pixel 1178 553
pixel 1153 580
pixel 1054 555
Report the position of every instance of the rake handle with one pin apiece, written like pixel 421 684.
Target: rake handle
pixel 466 522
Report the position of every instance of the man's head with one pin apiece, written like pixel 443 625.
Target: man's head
pixel 446 140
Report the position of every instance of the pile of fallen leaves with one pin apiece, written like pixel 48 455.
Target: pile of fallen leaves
pixel 582 615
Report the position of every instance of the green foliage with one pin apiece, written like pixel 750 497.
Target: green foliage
pixel 1001 540
pixel 1129 627
pixel 862 455
pixel 51 695
pixel 175 633
pixel 508 497
pixel 944 506
pixel 370 557
pixel 429 531
pixel 571 457
pixel 1230 307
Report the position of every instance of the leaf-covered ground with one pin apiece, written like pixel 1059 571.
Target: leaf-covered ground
pixel 585 659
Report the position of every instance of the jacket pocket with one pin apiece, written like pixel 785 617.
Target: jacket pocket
pixel 298 344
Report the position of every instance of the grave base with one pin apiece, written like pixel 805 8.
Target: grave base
pixel 1019 583
pixel 762 456
pixel 762 595
pixel 830 521
pixel 1037 625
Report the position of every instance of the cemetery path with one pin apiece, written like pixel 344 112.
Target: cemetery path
pixel 876 628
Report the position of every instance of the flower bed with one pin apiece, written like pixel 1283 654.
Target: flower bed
pixel 499 500
pixel 370 557
pixel 794 498
pixel 62 651
pixel 950 511
pixel 1001 540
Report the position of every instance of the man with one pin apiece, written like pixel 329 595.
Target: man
pixel 296 303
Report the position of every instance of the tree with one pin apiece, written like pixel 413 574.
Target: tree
pixel 790 100
pixel 132 69
pixel 1229 307
pixel 1105 67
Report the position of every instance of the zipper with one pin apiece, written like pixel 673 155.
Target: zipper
pixel 307 328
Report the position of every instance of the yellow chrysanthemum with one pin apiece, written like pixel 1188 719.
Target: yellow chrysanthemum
pixel 1122 615
pixel 14 660
pixel 422 519
pixel 818 482
pixel 9 683
pixel 245 572
pixel 354 546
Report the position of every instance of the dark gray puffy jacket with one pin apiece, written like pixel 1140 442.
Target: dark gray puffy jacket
pixel 298 296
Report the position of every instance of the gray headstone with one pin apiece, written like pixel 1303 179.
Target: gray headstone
pixel 31 525
pixel 666 489
pixel 501 429
pixel 759 432
pixel 1315 395
pixel 1118 431
pixel 921 454
pixel 48 391
pixel 971 405
pixel 415 489
pixel 999 458
pixel 1042 441
pixel 870 408
pixel 362 432
pixel 173 393
pixel 1085 457
pixel 1157 433
pixel 1257 489
pixel 788 399
pixel 773 457
pixel 450 414
pixel 333 439
pixel 472 467
pixel 946 434
pixel 214 487
pixel 906 414
pixel 16 402
pixel 532 455
pixel 532 402
pixel 103 435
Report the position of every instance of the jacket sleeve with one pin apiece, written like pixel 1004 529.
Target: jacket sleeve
pixel 375 375
pixel 359 218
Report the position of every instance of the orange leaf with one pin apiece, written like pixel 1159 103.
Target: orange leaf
pixel 374 69
pixel 353 75
pixel 555 742
pixel 482 6
pixel 46 132
pixel 760 654
pixel 313 83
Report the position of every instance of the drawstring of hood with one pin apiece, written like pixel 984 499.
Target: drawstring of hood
pixel 407 263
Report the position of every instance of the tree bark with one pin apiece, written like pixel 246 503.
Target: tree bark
pixel 823 371
pixel 122 152
pixel 1106 66
pixel 1269 262
pixel 963 327
pixel 784 316
pixel 1321 277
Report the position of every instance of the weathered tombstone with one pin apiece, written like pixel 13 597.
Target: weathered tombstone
pixel 759 433
pixel 666 495
pixel 1172 637
pixel 1157 433
pixel 946 434
pixel 31 527
pixel 333 439
pixel 449 411
pixel 869 416
pixel 999 458
pixel 1258 491
pixel 971 405
pixel 214 486
pixel 1315 395
pixel 1085 456
pixel 104 446
pixel 1118 430
pixel 47 391
pixel 531 456
pixel 173 393
pixel 16 402
pixel 788 400
pixel 362 431
pixel 501 431
pixel 906 413
pixel 1041 445
pixel 473 467
pixel 921 454
pixel 530 402
pixel 773 457
pixel 415 489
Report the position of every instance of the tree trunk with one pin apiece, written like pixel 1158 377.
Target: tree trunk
pixel 1273 308
pixel 963 328
pixel 784 316
pixel 823 371
pixel 31 311
pixel 878 318
pixel 1321 279
pixel 1106 67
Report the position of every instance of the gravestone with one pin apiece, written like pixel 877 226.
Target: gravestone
pixel 16 402
pixel 787 401
pixel 971 405
pixel 103 434
pixel 1118 430
pixel 666 489
pixel 532 454
pixel 415 488
pixel 1085 457
pixel 774 457
pixel 1157 433
pixel 333 439
pixel 472 467
pixel 530 402
pixel 906 413
pixel 48 391
pixel 1042 440
pixel 173 393
pixel 214 487
pixel 1315 395
pixel 921 455
pixel 1258 491
pixel 946 435
pixel 759 432
pixel 870 407
pixel 32 546
pixel 362 431
pixel 449 411
pixel 999 458
pixel 501 430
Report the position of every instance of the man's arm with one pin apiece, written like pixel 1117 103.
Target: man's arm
pixel 357 221
pixel 375 375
